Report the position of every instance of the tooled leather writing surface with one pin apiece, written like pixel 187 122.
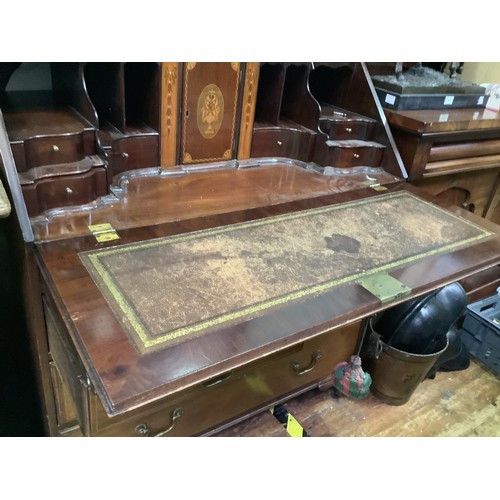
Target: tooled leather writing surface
pixel 168 290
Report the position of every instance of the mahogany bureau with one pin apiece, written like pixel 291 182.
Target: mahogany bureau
pixel 108 383
pixel 250 213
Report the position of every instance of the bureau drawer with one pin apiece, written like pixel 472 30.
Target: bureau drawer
pixel 348 129
pixel 64 190
pixel 52 150
pixel 133 152
pixel 285 143
pixel 232 394
pixel 348 154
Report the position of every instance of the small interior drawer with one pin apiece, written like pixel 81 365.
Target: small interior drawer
pixel 129 153
pixel 348 154
pixel 348 129
pixel 65 190
pixel 52 150
pixel 282 142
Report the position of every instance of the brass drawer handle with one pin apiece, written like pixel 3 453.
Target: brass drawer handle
pixel 125 155
pixel 314 359
pixel 143 429
pixel 279 143
pixel 356 155
pixel 55 148
pixel 348 129
pixel 217 380
pixel 69 191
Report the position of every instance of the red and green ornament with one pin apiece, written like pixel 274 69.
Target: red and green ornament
pixel 350 380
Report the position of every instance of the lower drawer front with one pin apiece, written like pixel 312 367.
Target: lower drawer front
pixel 232 394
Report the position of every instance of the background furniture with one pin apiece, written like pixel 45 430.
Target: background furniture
pixel 455 156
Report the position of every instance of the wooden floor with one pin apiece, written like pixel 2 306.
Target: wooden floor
pixel 461 403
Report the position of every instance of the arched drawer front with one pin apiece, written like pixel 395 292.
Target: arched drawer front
pixel 64 190
pixel 285 143
pixel 349 129
pixel 348 154
pixel 52 150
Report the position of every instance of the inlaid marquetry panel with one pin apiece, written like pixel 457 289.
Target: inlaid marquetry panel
pixel 210 111
pixel 248 109
pixel 169 113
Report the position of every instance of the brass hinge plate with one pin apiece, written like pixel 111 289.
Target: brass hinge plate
pixel 385 287
pixel 104 232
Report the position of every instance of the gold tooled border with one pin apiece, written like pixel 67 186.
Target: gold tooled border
pixel 94 257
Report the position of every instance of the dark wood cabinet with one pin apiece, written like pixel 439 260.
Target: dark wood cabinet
pixel 455 156
pixel 172 159
pixel 446 152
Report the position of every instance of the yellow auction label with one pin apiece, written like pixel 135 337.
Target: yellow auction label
pixel 293 427
pixel 289 422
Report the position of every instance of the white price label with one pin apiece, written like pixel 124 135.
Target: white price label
pixel 390 99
